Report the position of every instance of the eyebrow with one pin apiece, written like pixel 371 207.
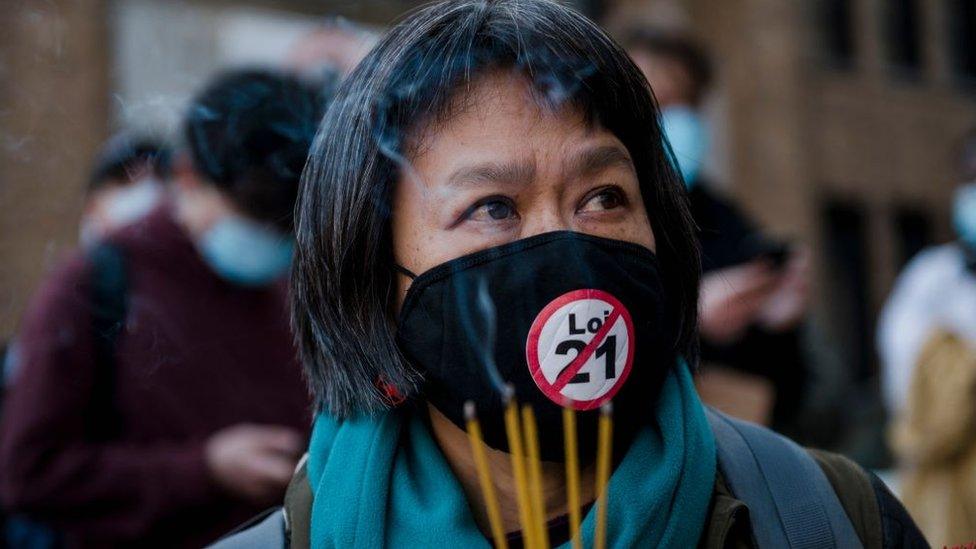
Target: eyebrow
pixel 493 172
pixel 594 160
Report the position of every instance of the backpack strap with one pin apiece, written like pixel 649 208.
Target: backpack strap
pixel 298 507
pixel 109 288
pixel 791 502
pixel 109 302
pixel 283 527
pixel 266 531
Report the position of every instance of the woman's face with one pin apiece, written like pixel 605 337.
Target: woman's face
pixel 502 168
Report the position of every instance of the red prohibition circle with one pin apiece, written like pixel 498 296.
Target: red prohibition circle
pixel 535 332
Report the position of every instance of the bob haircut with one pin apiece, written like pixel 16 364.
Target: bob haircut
pixel 343 279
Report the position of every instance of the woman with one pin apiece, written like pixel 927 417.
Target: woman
pixel 489 210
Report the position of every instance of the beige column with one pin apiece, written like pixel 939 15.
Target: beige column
pixel 53 108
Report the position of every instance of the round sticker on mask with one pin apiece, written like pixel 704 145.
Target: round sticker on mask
pixel 580 348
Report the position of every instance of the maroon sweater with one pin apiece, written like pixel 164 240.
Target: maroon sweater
pixel 197 354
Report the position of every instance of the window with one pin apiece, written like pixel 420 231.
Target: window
pixel 903 36
pixel 913 232
pixel 961 26
pixel 837 36
pixel 846 253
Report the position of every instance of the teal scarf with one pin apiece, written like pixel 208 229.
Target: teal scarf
pixel 382 481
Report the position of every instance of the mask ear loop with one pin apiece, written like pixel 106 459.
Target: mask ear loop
pixel 404 271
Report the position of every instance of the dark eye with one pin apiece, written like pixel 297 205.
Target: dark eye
pixel 492 209
pixel 607 198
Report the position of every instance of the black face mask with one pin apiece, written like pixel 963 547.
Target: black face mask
pixel 524 314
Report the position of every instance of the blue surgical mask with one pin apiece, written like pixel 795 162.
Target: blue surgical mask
pixel 245 252
pixel 964 213
pixel 685 131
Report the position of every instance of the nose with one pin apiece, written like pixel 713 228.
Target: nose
pixel 544 220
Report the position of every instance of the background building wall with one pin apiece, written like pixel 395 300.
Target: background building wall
pixel 852 155
pixel 849 154
pixel 53 114
pixel 73 71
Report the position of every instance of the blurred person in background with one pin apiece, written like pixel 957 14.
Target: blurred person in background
pixel 324 56
pixel 126 182
pixel 335 47
pixel 158 400
pixel 754 291
pixel 927 343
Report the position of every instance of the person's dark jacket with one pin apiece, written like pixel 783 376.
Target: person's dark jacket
pixel 729 238
pixel 196 354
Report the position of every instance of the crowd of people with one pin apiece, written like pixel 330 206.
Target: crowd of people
pixel 465 282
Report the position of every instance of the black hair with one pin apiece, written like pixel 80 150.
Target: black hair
pixel 124 155
pixel 343 278
pixel 248 132
pixel 677 46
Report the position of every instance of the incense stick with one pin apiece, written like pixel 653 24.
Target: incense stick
pixel 572 476
pixel 514 435
pixel 534 467
pixel 603 456
pixel 484 477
